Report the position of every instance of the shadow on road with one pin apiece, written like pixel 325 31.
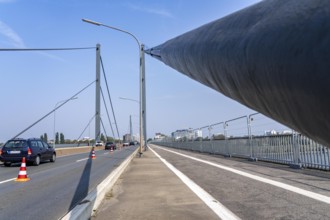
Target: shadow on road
pixel 83 184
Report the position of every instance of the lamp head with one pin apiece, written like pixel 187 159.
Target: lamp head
pixel 91 22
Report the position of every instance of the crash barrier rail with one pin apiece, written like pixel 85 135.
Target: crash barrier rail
pixel 252 142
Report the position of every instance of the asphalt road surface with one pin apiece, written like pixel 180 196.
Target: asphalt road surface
pixel 55 188
pixel 256 190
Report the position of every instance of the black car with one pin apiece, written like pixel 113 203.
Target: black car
pixel 110 145
pixel 33 149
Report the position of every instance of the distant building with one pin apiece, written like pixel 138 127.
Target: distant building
pixel 159 136
pixel 127 138
pixel 135 137
pixel 198 134
pixel 287 132
pixel 271 132
pixel 183 134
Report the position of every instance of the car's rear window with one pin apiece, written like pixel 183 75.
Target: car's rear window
pixel 15 144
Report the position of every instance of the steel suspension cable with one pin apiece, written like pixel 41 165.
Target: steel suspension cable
pixel 45 49
pixel 53 110
pixel 86 127
pixel 105 132
pixel 106 82
pixel 106 108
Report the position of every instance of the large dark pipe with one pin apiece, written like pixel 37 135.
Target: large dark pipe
pixel 273 57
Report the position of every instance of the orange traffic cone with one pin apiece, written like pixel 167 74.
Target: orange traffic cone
pixel 22 176
pixel 93 154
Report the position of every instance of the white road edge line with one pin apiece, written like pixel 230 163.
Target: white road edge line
pixel 288 187
pixel 82 159
pixel 95 197
pixel 219 209
pixel 7 180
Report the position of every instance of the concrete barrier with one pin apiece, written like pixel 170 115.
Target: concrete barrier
pixel 74 150
pixel 86 208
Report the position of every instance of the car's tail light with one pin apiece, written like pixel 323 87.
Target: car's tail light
pixel 0 151
pixel 29 151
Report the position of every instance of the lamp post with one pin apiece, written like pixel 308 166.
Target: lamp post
pixel 143 127
pixel 55 115
pixel 133 100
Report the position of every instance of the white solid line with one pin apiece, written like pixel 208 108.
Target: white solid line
pixel 219 209
pixel 82 159
pixel 7 180
pixel 288 187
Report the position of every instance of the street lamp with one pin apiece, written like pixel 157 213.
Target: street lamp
pixel 134 100
pixel 143 127
pixel 55 114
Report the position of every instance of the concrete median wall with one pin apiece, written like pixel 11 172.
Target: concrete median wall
pixel 75 150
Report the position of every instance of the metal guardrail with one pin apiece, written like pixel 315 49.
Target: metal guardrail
pixel 294 149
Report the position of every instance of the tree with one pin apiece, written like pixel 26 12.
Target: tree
pixel 62 140
pixel 110 139
pixel 57 139
pixel 41 137
pixel 102 138
pixel 45 139
pixel 218 137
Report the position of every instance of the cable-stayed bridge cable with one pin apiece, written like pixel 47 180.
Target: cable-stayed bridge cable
pixel 45 49
pixel 106 82
pixel 106 108
pixel 86 127
pixel 106 136
pixel 53 110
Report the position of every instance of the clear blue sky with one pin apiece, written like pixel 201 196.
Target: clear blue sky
pixel 33 82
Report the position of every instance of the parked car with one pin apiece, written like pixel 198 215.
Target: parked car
pixel 33 149
pixel 110 145
pixel 99 144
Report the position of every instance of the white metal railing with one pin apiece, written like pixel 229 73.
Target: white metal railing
pixel 256 137
pixel 293 149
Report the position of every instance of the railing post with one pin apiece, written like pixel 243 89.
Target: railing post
pixel 249 120
pixel 226 141
pixel 296 154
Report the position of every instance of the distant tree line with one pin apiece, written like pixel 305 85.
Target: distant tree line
pixel 60 139
pixel 108 139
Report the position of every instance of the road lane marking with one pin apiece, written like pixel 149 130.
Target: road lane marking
pixel 82 159
pixel 219 209
pixel 7 180
pixel 288 187
pixel 15 178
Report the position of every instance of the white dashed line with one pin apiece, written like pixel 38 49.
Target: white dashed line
pixel 7 180
pixel 82 159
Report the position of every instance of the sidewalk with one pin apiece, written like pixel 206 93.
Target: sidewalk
pixel 149 190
